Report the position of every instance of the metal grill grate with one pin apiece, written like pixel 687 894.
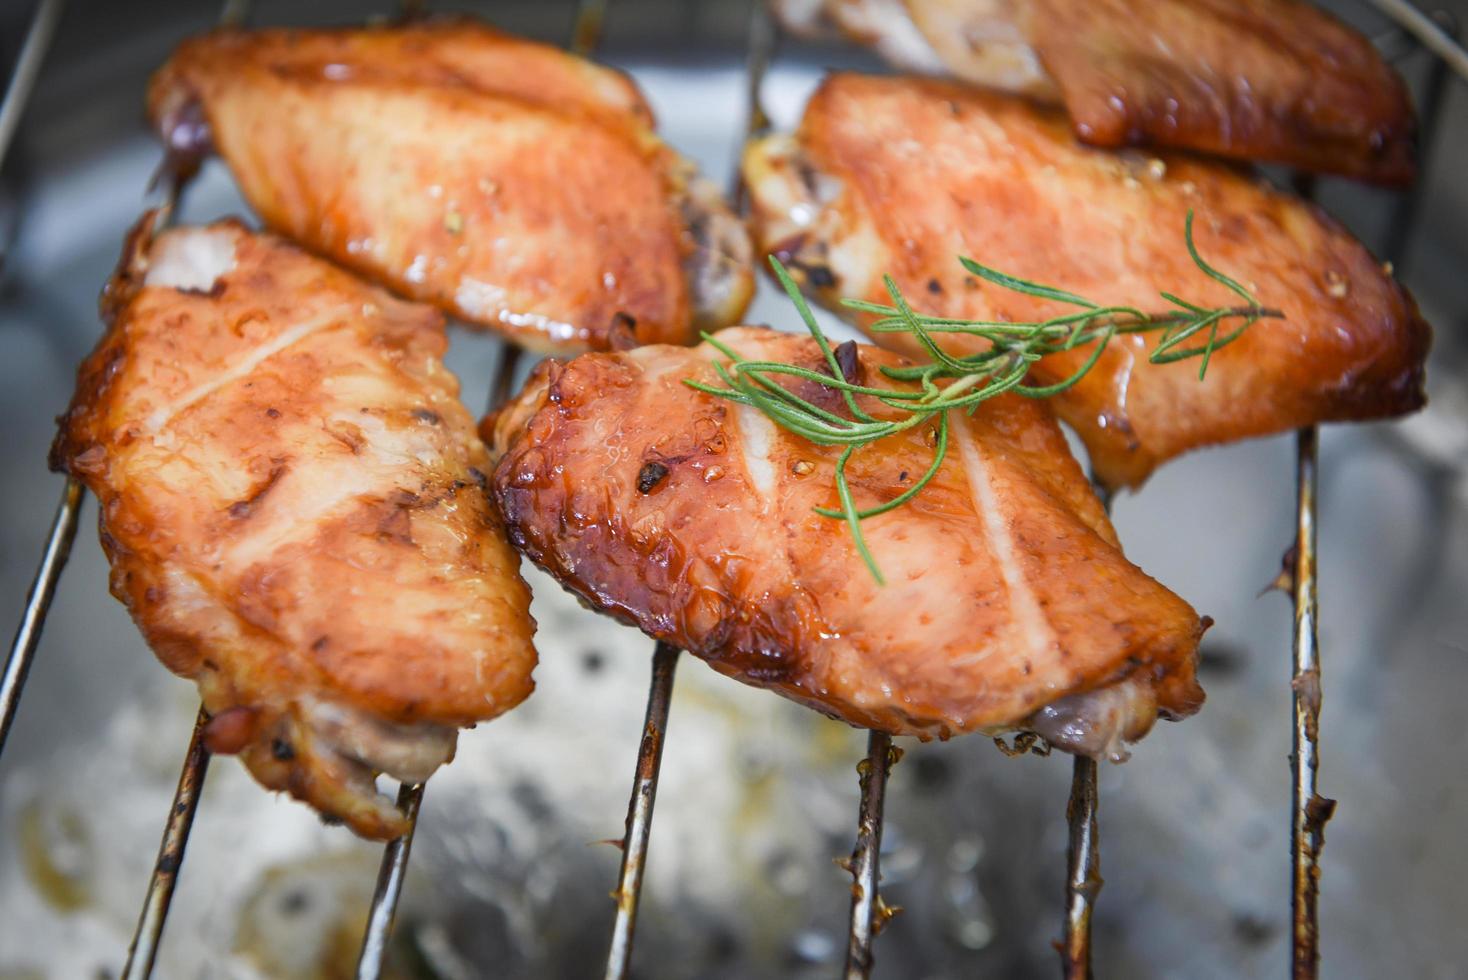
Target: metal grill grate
pixel 1435 34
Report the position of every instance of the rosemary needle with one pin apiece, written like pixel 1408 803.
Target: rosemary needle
pixel 947 383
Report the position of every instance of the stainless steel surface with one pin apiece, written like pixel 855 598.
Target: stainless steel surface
pixel 142 954
pixel 639 811
pixel 868 913
pixel 758 790
pixel 390 877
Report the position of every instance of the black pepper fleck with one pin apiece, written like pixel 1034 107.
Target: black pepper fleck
pixel 650 476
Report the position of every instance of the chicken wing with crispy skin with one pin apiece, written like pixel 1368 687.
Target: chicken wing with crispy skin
pixel 294 505
pixel 510 183
pixel 902 176
pixel 1269 80
pixel 979 41
pixel 1008 601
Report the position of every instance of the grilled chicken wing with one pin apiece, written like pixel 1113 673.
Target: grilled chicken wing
pixel 293 502
pixel 979 41
pixel 1008 601
pixel 902 176
pixel 1276 80
pixel 509 183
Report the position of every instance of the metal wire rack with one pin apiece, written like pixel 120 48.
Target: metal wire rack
pixel 1435 34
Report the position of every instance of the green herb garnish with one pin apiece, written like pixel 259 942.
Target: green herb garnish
pixel 948 383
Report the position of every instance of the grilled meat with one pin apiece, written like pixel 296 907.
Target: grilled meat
pixel 1008 602
pixel 511 184
pixel 1276 80
pixel 902 176
pixel 293 503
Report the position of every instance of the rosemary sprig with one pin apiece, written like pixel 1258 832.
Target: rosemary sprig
pixel 948 383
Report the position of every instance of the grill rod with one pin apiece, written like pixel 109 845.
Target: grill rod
pixel 1310 811
pixel 1434 31
pixel 142 952
pixel 639 810
pixel 22 82
pixel 63 527
pixel 18 91
pixel 394 868
pixel 1083 869
pixel 389 888
pixel 392 872
pixel 637 835
pixel 1083 853
pixel 868 914
pixel 148 936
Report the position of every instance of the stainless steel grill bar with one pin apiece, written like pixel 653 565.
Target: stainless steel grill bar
pixel 1310 811
pixel 18 92
pixel 394 867
pixel 1429 112
pixel 868 914
pixel 38 603
pixel 1429 30
pixel 511 354
pixel 639 810
pixel 27 69
pixel 390 877
pixel 1083 869
pixel 585 35
pixel 638 833
pixel 586 27
pixel 148 936
pixel 1083 854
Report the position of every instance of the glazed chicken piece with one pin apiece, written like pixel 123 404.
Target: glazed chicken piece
pixel 903 175
pixel 1008 602
pixel 1268 80
pixel 294 505
pixel 979 41
pixel 509 183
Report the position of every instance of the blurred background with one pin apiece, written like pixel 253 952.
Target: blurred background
pixel 510 873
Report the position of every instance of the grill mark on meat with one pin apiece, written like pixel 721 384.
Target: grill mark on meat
pixel 242 509
pixel 161 416
pixel 756 438
pixel 1026 615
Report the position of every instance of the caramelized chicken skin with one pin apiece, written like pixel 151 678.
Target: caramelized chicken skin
pixel 902 176
pixel 691 517
pixel 1276 80
pixel 293 503
pixel 508 182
